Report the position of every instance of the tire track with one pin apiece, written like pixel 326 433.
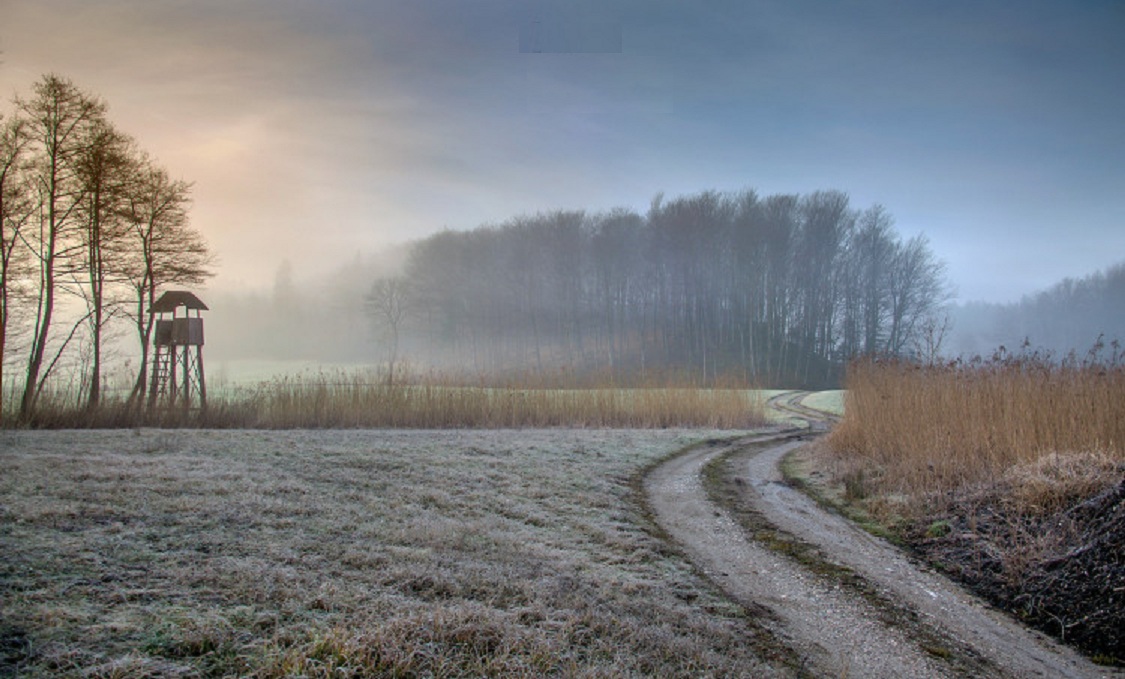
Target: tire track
pixel 831 632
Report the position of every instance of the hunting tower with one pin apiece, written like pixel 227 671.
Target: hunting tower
pixel 177 352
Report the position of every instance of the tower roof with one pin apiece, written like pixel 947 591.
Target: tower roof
pixel 176 298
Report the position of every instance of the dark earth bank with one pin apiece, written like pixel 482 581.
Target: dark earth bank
pixel 1062 572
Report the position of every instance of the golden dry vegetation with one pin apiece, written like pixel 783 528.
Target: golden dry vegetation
pixel 364 399
pixel 921 431
pixel 1008 474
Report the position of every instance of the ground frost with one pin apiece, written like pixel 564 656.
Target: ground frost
pixel 369 553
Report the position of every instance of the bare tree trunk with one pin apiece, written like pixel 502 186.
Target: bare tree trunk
pixel 59 116
pixel 45 313
pixel 16 210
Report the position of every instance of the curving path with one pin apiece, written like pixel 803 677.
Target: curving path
pixel 833 629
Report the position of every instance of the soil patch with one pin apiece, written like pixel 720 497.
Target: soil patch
pixel 1062 572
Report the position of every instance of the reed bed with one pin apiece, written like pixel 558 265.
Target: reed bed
pixel 926 430
pixel 365 399
pixel 352 400
pixel 1007 474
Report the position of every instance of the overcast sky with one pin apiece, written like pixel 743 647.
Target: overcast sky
pixel 316 130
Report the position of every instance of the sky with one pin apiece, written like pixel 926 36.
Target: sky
pixel 316 131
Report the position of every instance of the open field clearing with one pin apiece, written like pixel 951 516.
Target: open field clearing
pixel 357 553
pixel 1008 475
pixel 831 401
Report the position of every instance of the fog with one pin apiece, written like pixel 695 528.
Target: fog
pixel 302 319
pixel 313 131
pixel 1082 317
pixel 571 297
pixel 325 142
pixel 706 287
pixel 315 323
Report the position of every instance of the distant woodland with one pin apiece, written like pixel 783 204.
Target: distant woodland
pixel 1073 315
pixel 781 289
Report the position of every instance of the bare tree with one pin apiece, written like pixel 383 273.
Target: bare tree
pixel 929 337
pixel 388 302
pixel 16 212
pixel 875 247
pixel 916 290
pixel 59 118
pixel 104 169
pixel 84 213
pixel 826 224
pixel 615 269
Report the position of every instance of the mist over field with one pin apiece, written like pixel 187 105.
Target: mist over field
pixel 704 287
pixel 304 322
pixel 617 191
pixel 1074 315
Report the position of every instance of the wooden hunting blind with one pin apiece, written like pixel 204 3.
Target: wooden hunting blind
pixel 177 351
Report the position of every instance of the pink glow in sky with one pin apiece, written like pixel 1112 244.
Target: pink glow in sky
pixel 316 130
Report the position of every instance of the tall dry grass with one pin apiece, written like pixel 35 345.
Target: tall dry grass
pixel 354 400
pixel 1004 473
pixel 365 399
pixel 922 430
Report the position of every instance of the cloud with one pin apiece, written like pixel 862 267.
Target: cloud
pixel 314 129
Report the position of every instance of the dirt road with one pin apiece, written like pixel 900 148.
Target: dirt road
pixel 903 621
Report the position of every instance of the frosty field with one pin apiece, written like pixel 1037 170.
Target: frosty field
pixel 379 553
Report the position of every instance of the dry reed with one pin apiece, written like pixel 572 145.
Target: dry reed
pixel 925 430
pixel 1007 474
pixel 364 399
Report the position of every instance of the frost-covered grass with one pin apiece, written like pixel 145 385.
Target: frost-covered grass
pixel 831 401
pixel 773 415
pixel 350 553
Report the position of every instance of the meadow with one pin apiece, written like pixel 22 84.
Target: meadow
pixel 131 553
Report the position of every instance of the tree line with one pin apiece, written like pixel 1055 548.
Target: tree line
pixel 91 229
pixel 1072 316
pixel 780 288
